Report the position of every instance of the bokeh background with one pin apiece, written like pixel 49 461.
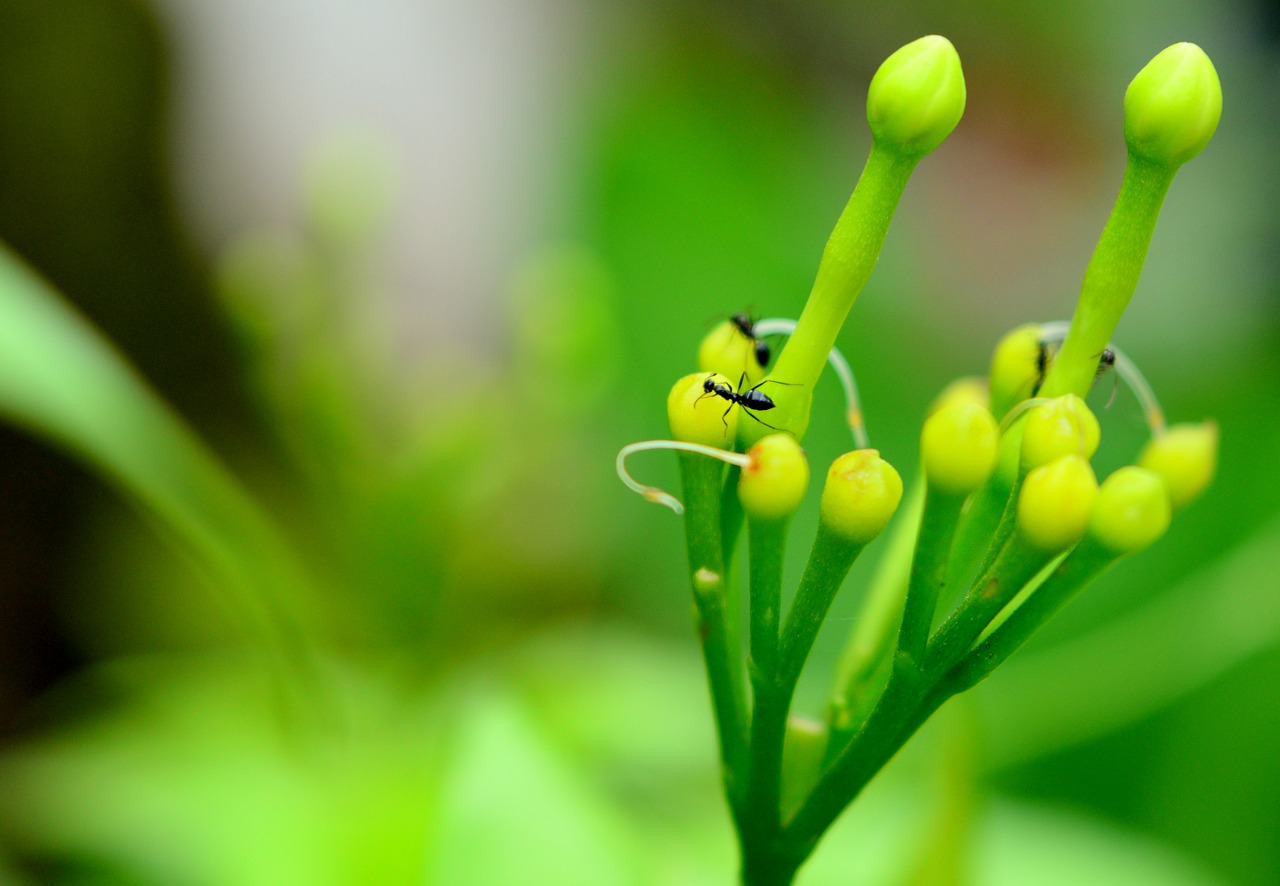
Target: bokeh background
pixel 416 269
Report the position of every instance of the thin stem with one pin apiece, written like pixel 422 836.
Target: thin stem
pixel 721 654
pixel 852 402
pixel 653 493
pixel 928 571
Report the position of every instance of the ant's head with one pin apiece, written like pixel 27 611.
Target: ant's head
pixel 1107 357
pixel 708 384
pixel 744 323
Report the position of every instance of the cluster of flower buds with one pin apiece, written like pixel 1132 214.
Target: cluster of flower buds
pixel 1009 520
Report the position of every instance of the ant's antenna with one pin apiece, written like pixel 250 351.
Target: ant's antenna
pixel 653 493
pixel 853 408
pixel 1128 372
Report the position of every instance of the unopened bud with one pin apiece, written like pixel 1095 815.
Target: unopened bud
pixel 1185 456
pixel 1062 426
pixel 1016 368
pixel 726 349
pixel 959 447
pixel 1131 510
pixel 861 494
pixel 1172 107
pixel 697 417
pixel 774 482
pixel 968 389
pixel 917 96
pixel 1055 503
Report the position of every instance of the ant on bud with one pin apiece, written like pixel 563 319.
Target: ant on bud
pixel 747 327
pixel 751 400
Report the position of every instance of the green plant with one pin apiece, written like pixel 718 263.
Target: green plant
pixel 1008 510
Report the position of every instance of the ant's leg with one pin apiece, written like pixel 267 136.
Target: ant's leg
pixel 759 419
pixel 725 418
pixel 774 381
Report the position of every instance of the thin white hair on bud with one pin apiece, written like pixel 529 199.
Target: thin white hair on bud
pixel 653 493
pixel 1129 373
pixel 853 407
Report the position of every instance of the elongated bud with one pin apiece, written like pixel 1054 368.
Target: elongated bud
pixel 1131 510
pixel 696 417
pixel 861 495
pixel 917 96
pixel 969 389
pixel 1172 108
pixel 1185 456
pixel 1062 426
pixel 959 447
pixel 1055 503
pixel 1016 368
pixel 728 351
pixel 774 482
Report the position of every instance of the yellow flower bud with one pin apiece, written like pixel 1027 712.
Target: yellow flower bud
pixel 773 484
pixel 1172 108
pixel 1063 426
pixel 1185 456
pixel 1015 368
pixel 959 446
pixel 726 349
pixel 917 96
pixel 697 418
pixel 1055 503
pixel 1131 510
pixel 861 494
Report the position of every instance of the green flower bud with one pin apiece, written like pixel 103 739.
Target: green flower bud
pixel 860 497
pixel 1131 510
pixel 1185 456
pixel 917 97
pixel 1172 107
pixel 773 484
pixel 1055 503
pixel 969 389
pixel 1015 368
pixel 959 446
pixel 1063 426
pixel 695 420
pixel 728 351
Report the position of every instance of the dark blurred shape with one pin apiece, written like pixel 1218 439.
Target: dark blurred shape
pixel 83 198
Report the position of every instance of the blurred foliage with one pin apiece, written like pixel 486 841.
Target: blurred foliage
pixel 492 681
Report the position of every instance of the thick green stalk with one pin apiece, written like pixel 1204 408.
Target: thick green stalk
pixel 829 563
pixel 1112 276
pixel 847 261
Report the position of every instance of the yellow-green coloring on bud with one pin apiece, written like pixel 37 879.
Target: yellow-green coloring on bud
pixel 774 482
pixel 1055 503
pixel 1131 510
pixel 696 418
pixel 959 447
pixel 1185 456
pixel 1062 426
pixel 861 494
pixel 916 97
pixel 968 389
pixel 1172 107
pixel 1016 368
pixel 730 351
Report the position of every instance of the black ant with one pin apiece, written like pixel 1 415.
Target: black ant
pixel 751 400
pixel 747 327
pixel 1106 360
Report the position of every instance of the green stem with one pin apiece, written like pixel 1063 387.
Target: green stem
pixel 847 261
pixel 1112 276
pixel 829 563
pixel 1079 568
pixel 702 483
pixel 928 571
pixel 771 698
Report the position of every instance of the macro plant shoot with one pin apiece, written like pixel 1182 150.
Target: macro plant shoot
pixel 1005 522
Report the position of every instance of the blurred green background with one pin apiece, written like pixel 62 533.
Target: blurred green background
pixel 416 271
